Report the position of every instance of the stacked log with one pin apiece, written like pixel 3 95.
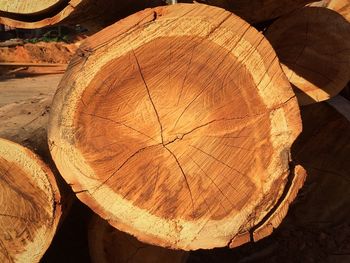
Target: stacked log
pixel 313 45
pixel 257 11
pixel 34 197
pixel 108 245
pixel 323 149
pixel 175 124
pixel 30 198
pixel 95 14
pixel 30 208
pixel 340 6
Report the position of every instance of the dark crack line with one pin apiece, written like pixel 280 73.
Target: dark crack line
pixel 16 217
pixel 212 180
pixel 211 79
pixel 186 75
pixel 149 96
pixel 181 136
pixel 184 176
pixel 122 165
pixel 216 159
pixel 6 252
pixel 119 123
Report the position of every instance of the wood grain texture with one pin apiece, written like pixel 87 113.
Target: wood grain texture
pixel 324 150
pixel 313 45
pixel 93 14
pixel 109 245
pixel 256 11
pixel 29 204
pixel 175 124
pixel 27 6
pixel 31 189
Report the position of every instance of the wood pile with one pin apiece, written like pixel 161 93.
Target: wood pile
pixel 94 14
pixel 182 127
pixel 31 201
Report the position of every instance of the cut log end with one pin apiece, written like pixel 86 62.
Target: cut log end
pixel 108 245
pixel 183 117
pixel 313 45
pixel 30 209
pixel 27 7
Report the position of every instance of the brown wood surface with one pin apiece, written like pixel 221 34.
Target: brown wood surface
pixel 176 125
pixel 324 150
pixel 109 245
pixel 313 45
pixel 256 11
pixel 340 6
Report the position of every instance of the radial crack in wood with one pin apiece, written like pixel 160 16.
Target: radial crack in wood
pixel 313 45
pixel 178 123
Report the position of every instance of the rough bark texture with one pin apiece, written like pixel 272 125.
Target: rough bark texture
pixel 256 11
pixel 109 245
pixel 31 204
pixel 95 14
pixel 175 124
pixel 313 45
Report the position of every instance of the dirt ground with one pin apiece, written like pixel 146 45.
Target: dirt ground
pixel 16 90
pixel 41 52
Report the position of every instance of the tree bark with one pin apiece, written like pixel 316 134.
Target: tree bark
pixel 95 14
pixel 256 11
pixel 313 45
pixel 175 124
pixel 31 201
pixel 109 245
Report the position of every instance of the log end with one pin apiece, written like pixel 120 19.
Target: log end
pixel 30 204
pixel 175 124
pixel 313 45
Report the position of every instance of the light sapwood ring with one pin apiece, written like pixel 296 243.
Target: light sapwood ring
pixel 175 124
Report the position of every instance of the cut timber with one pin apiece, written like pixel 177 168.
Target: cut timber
pixel 29 209
pixel 28 7
pixel 109 245
pixel 256 11
pixel 313 45
pixel 323 149
pixel 30 203
pixel 340 6
pixel 175 124
pixel 94 14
